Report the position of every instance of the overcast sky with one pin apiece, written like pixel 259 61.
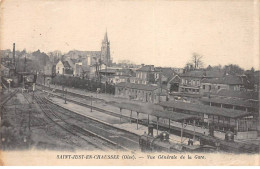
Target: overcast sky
pixel 163 33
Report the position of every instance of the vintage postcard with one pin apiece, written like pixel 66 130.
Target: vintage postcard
pixel 132 83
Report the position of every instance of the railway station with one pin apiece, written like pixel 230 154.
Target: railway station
pixel 137 118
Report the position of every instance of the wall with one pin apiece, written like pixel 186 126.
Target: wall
pixel 214 87
pixel 246 135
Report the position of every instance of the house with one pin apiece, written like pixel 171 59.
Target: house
pixel 141 92
pixel 145 75
pixel 163 75
pixel 229 82
pixel 191 81
pixel 168 78
pixel 63 68
pixel 173 83
pixel 107 71
pixel 78 69
pixel 81 69
pixel 179 70
pixel 122 75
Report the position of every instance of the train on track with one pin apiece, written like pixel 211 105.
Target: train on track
pixel 162 143
pixel 148 142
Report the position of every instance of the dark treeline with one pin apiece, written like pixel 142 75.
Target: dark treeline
pixel 86 84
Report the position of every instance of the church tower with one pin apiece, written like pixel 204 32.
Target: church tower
pixel 105 51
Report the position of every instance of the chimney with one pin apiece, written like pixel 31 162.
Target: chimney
pixel 152 67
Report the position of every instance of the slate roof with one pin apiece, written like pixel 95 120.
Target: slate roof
pixel 66 64
pixel 203 73
pixel 167 72
pixel 238 94
pixel 155 111
pixel 230 101
pixel 125 72
pixel 175 79
pixel 137 86
pixel 146 68
pixel 228 79
pixel 108 71
pixel 205 109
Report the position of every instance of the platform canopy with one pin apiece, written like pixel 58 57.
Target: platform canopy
pixel 233 102
pixel 199 108
pixel 154 110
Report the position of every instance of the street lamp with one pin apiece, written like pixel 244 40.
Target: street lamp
pixel 65 97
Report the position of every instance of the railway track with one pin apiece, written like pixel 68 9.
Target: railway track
pixel 86 127
pixel 77 100
pixel 4 100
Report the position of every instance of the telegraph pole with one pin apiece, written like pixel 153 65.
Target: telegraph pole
pixel 14 57
pixel 91 103
pixel 106 80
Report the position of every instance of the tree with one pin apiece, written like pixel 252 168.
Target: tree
pixel 233 69
pixel 188 67
pixel 209 68
pixel 197 61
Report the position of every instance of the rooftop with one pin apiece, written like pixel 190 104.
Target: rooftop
pixel 155 111
pixel 238 94
pixel 108 71
pixel 203 73
pixel 228 79
pixel 66 64
pixel 146 68
pixel 235 102
pixel 205 109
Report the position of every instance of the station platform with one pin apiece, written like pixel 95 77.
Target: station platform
pixel 115 121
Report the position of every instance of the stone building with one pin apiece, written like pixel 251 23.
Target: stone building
pixel 141 92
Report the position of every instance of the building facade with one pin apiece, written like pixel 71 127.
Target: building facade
pixel 144 75
pixel 191 81
pixel 229 82
pixel 140 92
pixel 63 68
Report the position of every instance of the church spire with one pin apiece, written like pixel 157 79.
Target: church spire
pixel 105 38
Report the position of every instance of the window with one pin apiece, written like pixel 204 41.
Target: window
pixel 203 86
pixel 209 87
pixel 198 82
pixel 218 87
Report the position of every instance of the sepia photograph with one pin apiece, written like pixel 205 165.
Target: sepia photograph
pixel 120 82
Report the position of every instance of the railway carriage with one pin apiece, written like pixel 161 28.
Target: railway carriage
pixel 162 143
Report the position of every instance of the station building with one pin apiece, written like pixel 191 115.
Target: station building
pixel 144 93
